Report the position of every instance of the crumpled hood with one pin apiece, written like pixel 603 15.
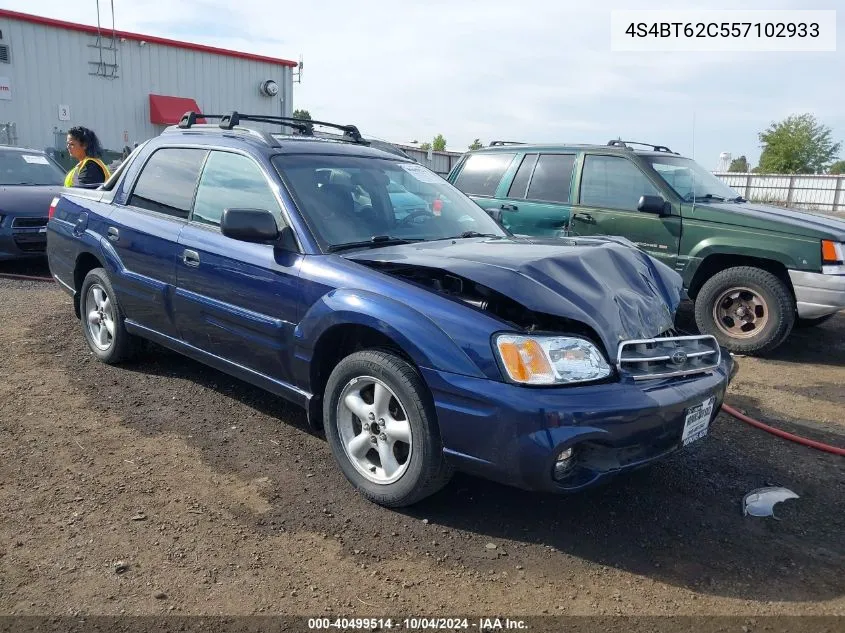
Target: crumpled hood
pixel 606 283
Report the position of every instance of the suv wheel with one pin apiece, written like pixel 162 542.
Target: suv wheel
pixel 382 430
pixel 102 319
pixel 748 310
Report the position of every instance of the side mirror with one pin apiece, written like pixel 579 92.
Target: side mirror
pixel 249 225
pixel 653 204
pixel 496 214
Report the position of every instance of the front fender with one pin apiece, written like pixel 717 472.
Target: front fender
pixel 418 336
pixel 776 250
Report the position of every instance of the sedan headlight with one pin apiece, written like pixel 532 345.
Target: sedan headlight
pixel 833 258
pixel 550 360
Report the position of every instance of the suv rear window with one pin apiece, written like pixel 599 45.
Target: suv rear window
pixel 552 178
pixel 168 180
pixel 482 173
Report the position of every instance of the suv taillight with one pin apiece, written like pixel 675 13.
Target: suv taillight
pixel 52 208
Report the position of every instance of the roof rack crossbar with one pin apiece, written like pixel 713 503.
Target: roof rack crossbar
pixel 626 144
pixel 304 126
pixel 500 143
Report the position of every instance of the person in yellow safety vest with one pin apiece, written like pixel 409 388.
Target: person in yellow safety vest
pixel 85 147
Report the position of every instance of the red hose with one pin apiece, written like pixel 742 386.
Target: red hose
pixel 24 277
pixel 789 436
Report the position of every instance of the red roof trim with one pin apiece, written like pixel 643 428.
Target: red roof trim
pixel 149 39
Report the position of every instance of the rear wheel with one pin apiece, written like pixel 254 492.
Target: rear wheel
pixel 382 430
pixel 748 310
pixel 102 319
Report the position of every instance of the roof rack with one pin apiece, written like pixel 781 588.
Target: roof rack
pixel 211 127
pixel 500 143
pixel 304 126
pixel 627 144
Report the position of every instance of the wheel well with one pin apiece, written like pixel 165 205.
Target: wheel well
pixel 85 263
pixel 714 264
pixel 333 346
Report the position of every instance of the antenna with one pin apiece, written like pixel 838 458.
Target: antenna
pixel 693 157
pixel 297 74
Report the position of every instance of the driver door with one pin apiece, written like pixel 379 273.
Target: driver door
pixel 609 191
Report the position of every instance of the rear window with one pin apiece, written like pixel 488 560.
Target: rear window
pixel 482 173
pixel 552 178
pixel 22 168
pixel 167 182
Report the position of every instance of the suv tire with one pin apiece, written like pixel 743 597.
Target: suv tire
pixel 378 409
pixel 102 319
pixel 748 310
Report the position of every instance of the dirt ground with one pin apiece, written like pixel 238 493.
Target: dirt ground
pixel 214 499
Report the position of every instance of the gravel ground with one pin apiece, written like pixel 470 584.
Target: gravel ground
pixel 164 487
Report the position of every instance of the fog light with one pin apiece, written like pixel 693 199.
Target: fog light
pixel 563 464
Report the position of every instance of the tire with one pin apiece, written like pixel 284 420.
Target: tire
pixel 115 344
pixel 418 468
pixel 766 305
pixel 805 323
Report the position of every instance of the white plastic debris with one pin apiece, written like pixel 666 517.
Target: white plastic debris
pixel 761 502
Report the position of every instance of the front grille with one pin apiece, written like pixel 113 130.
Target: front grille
pixel 29 223
pixel 29 235
pixel 668 357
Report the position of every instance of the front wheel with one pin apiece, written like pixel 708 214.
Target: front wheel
pixel 382 430
pixel 748 310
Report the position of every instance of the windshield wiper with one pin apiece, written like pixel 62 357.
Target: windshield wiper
pixel 374 242
pixel 692 197
pixel 467 234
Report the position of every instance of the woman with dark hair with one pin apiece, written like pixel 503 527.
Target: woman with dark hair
pixel 85 147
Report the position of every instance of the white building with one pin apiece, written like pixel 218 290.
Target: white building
pixel 125 86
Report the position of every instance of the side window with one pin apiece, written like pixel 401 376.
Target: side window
pixel 523 175
pixel 552 178
pixel 614 183
pixel 482 173
pixel 168 180
pixel 231 181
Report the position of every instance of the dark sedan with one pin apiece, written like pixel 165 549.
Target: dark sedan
pixel 29 180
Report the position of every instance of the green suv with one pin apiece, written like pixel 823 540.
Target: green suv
pixel 754 271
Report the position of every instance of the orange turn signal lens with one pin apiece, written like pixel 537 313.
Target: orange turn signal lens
pixel 829 253
pixel 525 361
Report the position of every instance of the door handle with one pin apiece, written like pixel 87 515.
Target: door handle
pixel 584 217
pixel 191 258
pixel 114 234
pixel 509 207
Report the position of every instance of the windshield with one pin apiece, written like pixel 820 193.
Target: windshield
pixel 349 199
pixel 690 180
pixel 22 168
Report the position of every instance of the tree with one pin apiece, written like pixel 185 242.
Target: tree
pixel 739 165
pixel 304 115
pixel 439 143
pixel 837 168
pixel 476 144
pixel 425 146
pixel 797 145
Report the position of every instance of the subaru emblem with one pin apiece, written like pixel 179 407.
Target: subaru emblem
pixel 679 357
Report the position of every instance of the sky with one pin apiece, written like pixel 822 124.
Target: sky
pixel 536 71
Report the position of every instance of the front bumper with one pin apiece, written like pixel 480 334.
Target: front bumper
pixel 513 434
pixel 817 295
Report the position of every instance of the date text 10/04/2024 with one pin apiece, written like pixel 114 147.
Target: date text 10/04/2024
pixel 418 624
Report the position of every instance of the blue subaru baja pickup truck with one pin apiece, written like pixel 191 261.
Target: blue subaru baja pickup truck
pixel 420 343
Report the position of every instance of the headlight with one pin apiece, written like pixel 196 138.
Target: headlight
pixel 833 258
pixel 550 360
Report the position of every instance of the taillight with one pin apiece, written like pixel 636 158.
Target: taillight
pixel 52 208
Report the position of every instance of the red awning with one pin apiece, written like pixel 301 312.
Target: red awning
pixel 170 110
